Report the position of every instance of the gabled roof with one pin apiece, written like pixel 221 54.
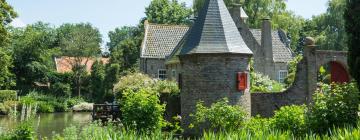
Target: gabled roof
pixel 281 51
pixel 160 40
pixel 64 64
pixel 214 31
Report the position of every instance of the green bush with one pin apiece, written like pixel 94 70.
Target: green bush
pixel 257 124
pixel 290 118
pixel 261 83
pixel 335 105
pixel 289 80
pixel 7 107
pixel 167 87
pixel 61 90
pixel 220 115
pixel 74 101
pixel 142 110
pixel 7 95
pixel 24 131
pixel 133 82
pixel 45 107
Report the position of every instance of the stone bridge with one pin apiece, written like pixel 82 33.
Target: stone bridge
pixel 305 83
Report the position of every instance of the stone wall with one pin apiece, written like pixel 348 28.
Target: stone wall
pixel 264 104
pixel 209 78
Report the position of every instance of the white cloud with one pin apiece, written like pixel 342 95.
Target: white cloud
pixel 17 22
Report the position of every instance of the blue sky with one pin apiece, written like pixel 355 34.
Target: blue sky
pixel 106 15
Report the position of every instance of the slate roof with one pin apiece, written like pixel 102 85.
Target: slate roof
pixel 214 31
pixel 160 40
pixel 281 53
pixel 64 64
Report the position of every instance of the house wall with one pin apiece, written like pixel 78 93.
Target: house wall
pixel 173 71
pixel 209 78
pixel 151 66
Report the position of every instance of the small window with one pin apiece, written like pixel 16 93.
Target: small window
pixel 162 74
pixel 282 75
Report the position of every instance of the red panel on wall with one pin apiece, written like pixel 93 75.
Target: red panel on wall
pixel 242 81
pixel 338 73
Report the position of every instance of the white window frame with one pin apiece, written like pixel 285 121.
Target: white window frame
pixel 282 79
pixel 161 73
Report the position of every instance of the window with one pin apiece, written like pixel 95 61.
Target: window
pixel 162 74
pixel 282 75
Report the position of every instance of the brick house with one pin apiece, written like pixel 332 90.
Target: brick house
pixel 271 48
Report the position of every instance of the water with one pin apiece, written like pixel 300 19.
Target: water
pixel 47 124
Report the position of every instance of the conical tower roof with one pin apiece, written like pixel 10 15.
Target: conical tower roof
pixel 214 31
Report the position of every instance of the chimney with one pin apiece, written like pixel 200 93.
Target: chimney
pixel 238 13
pixel 266 39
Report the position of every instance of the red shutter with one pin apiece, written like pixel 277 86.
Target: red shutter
pixel 242 81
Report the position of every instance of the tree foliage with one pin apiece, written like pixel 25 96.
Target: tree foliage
pixel 82 43
pixel 124 47
pixel 328 28
pixel 33 48
pixel 167 12
pixel 7 14
pixel 97 81
pixel 352 16
pixel 7 78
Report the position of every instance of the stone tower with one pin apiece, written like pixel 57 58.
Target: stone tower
pixel 211 56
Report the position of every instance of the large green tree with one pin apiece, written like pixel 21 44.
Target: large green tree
pixel 33 49
pixel 124 46
pixel 97 81
pixel 352 16
pixel 328 28
pixel 7 14
pixel 81 42
pixel 167 12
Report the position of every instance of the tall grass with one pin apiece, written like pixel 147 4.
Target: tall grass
pixel 96 131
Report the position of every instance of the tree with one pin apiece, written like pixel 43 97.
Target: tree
pixel 111 77
pixel 352 18
pixel 328 29
pixel 6 77
pixel 124 46
pixel 33 49
pixel 167 12
pixel 81 42
pixel 7 14
pixel 97 81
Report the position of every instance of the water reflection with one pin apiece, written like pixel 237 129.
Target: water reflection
pixel 47 124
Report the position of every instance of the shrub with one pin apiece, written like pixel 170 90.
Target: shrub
pixel 220 115
pixel 74 101
pixel 290 118
pixel 61 90
pixel 257 124
pixel 261 83
pixel 289 80
pixel 335 105
pixel 7 107
pixel 142 110
pixel 167 87
pixel 133 82
pixel 24 131
pixel 45 107
pixel 7 95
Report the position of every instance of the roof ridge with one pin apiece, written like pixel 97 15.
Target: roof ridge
pixel 156 24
